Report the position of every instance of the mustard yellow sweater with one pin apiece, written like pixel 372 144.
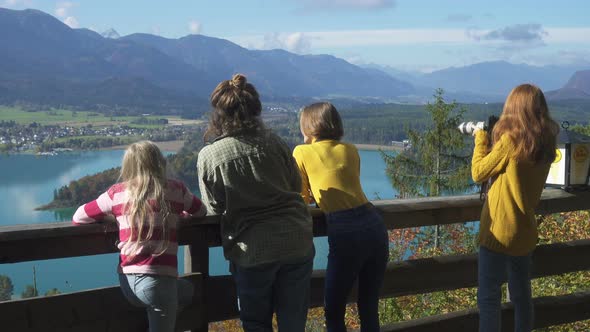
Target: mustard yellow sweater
pixel 507 224
pixel 330 172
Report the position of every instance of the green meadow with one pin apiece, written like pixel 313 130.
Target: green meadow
pixel 78 118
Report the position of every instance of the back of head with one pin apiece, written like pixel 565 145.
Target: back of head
pixel 144 172
pixel 526 120
pixel 321 121
pixel 143 159
pixel 236 106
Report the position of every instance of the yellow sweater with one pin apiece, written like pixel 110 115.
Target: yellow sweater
pixel 507 224
pixel 330 171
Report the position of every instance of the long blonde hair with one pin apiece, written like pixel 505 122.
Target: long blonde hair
pixel 526 120
pixel 236 106
pixel 144 172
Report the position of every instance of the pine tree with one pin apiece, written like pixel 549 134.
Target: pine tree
pixel 436 162
pixel 53 291
pixel 29 291
pixel 6 288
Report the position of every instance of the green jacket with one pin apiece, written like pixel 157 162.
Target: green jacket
pixel 252 181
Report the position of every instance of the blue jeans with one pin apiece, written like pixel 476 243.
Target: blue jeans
pixel 160 295
pixel 359 249
pixel 492 270
pixel 283 288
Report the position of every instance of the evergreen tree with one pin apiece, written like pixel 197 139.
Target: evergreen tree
pixel 437 161
pixel 29 291
pixel 53 291
pixel 6 288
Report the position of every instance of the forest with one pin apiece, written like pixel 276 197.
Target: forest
pixel 363 123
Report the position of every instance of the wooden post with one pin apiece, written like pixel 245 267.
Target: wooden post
pixel 196 260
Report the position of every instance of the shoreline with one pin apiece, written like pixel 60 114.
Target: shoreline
pixel 176 145
pixel 165 146
pixel 377 147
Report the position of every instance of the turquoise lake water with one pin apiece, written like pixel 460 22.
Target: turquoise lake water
pixel 28 181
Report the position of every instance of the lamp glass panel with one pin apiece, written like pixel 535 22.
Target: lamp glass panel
pixel 557 172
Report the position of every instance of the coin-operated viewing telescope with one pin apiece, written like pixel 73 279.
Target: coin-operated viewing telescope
pixel 571 168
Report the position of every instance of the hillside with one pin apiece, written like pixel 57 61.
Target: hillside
pixel 485 81
pixel 578 87
pixel 45 61
pixel 277 72
pixel 496 78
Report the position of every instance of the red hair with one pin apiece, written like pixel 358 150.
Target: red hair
pixel 526 120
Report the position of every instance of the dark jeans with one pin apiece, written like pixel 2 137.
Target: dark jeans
pixel 359 249
pixel 493 268
pixel 283 288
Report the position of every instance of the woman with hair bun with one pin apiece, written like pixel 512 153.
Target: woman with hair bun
pixel 249 177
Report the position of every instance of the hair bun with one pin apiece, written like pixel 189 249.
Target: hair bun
pixel 238 81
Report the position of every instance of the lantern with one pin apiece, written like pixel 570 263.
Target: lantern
pixel 571 168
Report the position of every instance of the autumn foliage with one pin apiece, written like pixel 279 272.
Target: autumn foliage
pixel 413 243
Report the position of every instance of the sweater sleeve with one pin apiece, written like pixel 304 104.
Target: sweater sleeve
pixel 485 165
pixel 305 187
pixel 95 210
pixel 192 204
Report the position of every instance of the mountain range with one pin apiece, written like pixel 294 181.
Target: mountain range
pixel 42 60
pixel 486 81
pixel 578 87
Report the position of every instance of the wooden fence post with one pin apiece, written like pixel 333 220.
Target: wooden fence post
pixel 196 260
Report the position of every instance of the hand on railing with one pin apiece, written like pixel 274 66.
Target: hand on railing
pixel 186 217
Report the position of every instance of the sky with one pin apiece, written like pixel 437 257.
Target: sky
pixel 412 35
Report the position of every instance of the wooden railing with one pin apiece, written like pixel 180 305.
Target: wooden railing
pixel 105 309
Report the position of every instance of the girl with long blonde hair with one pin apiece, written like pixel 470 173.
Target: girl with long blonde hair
pixel 146 205
pixel 523 148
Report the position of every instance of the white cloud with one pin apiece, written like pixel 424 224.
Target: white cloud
pixel 15 3
pixel 62 9
pixel 156 30
pixel 522 33
pixel 355 59
pixel 61 12
pixel 561 57
pixel 296 42
pixel 393 37
pixel 194 27
pixel 346 4
pixel 72 22
pixel 353 38
pixel 567 35
pixel 459 17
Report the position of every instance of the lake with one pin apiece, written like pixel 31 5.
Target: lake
pixel 28 181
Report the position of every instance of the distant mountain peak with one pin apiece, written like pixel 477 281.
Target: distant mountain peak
pixel 578 87
pixel 580 80
pixel 111 34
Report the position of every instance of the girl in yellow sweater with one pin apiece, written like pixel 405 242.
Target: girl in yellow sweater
pixel 523 148
pixel 357 238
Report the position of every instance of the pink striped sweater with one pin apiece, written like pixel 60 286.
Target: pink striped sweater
pixel 144 259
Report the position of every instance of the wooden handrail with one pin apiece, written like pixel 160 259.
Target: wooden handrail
pixel 106 310
pixel 63 239
pixel 107 305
